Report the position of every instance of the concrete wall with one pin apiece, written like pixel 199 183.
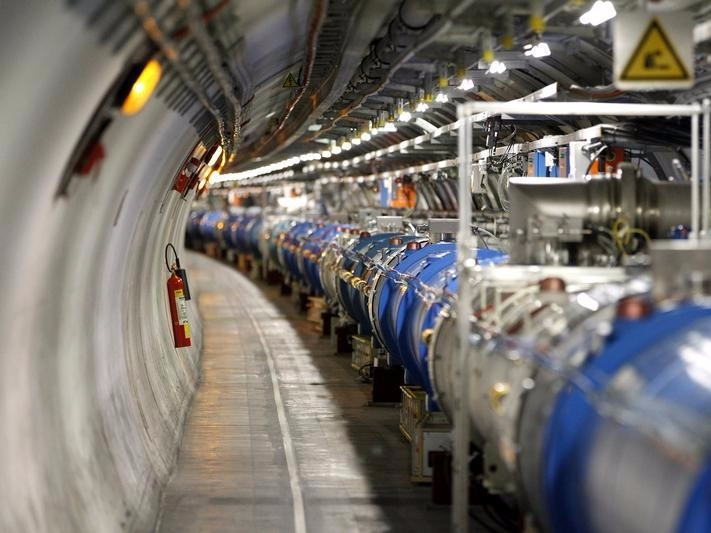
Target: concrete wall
pixel 92 393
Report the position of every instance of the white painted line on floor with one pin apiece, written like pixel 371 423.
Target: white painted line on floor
pixel 289 450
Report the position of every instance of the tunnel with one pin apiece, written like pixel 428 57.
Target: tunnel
pixel 355 265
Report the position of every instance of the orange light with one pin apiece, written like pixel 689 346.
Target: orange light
pixel 142 88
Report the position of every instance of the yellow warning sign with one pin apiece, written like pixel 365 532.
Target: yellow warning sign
pixel 655 58
pixel 290 82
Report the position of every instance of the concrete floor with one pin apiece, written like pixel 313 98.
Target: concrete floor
pixel 280 437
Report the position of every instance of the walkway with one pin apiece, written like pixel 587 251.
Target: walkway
pixel 280 437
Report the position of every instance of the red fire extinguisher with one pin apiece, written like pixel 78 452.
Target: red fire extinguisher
pixel 181 182
pixel 178 293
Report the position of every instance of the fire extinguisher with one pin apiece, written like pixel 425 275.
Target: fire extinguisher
pixel 181 182
pixel 178 294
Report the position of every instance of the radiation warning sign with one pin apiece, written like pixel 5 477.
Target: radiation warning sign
pixel 653 51
pixel 290 82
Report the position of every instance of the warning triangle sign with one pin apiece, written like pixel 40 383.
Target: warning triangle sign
pixel 655 58
pixel 290 82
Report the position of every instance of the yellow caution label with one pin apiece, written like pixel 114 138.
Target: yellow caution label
pixel 655 58
pixel 181 307
pixel 537 24
pixel 186 327
pixel 290 82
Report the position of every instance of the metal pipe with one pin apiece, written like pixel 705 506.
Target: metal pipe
pixel 206 16
pixel 317 20
pixel 214 64
pixel 695 199
pixel 706 196
pixel 437 26
pixel 170 50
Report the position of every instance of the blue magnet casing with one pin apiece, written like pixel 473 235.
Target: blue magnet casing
pixel 654 349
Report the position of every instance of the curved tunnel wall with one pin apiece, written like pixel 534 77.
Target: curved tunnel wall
pixel 92 393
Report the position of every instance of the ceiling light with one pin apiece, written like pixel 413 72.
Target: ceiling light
pixel 390 127
pixel 346 146
pixel 215 156
pixel 466 85
pixel 601 11
pixel 496 67
pixel 405 116
pixel 335 149
pixel 326 154
pixel 355 141
pixel 539 50
pixel 314 127
pixel 441 98
pixel 365 136
pixel 422 107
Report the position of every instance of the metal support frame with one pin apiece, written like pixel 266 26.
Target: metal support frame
pixel 706 171
pixel 465 243
pixel 468 114
pixel 549 141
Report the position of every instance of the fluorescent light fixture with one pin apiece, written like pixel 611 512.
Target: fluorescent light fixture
pixel 422 107
pixel 390 127
pixel 601 11
pixel 405 116
pixel 346 146
pixel 311 156
pixel 441 98
pixel 355 141
pixel 326 154
pixel 270 115
pixel 314 127
pixel 365 136
pixel 215 157
pixel 335 150
pixel 539 50
pixel 466 85
pixel 496 67
pixel 263 170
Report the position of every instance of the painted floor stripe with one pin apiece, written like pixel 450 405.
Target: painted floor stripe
pixel 289 450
